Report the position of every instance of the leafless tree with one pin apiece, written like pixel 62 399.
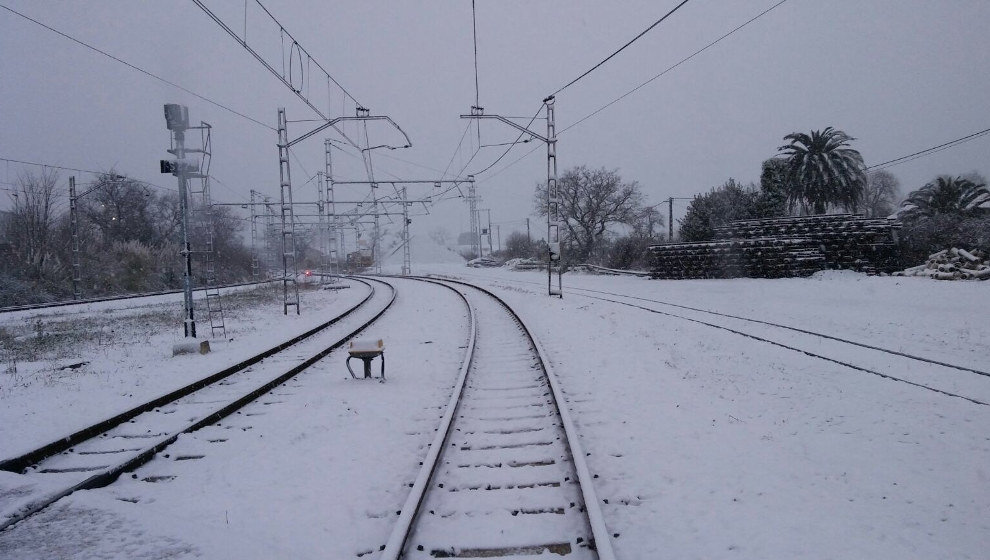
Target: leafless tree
pixel 32 219
pixel 881 194
pixel 591 202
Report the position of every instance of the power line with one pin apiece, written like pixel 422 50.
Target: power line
pixel 669 68
pixel 622 48
pixel 933 149
pixel 637 88
pixel 150 184
pixel 139 69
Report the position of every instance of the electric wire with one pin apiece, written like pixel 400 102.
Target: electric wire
pixel 927 151
pixel 139 69
pixel 622 48
pixel 637 88
pixel 148 183
pixel 669 68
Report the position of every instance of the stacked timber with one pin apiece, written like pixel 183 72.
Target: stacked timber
pixel 737 258
pixel 783 247
pixel 952 264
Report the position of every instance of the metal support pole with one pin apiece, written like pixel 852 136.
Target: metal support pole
pixel 333 232
pixel 74 223
pixel 554 253
pixel 290 289
pixel 322 231
pixel 475 226
pixel 490 248
pixel 376 242
pixel 670 220
pixel 406 255
pixel 189 321
pixel 254 238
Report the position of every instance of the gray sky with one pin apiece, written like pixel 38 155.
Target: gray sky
pixel 899 75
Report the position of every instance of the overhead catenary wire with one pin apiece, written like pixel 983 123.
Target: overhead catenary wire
pixel 620 49
pixel 148 183
pixel 139 69
pixel 927 151
pixel 637 88
pixel 669 68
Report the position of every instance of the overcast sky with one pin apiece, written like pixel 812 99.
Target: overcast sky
pixel 898 75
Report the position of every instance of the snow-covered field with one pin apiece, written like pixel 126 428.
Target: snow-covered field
pixel 705 443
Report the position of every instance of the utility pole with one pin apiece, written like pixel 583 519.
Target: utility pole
pixel 553 195
pixel 670 220
pixel 74 224
pixel 406 255
pixel 290 296
pixel 473 210
pixel 177 121
pixel 322 230
pixel 528 236
pixel 254 238
pixel 490 248
pixel 334 234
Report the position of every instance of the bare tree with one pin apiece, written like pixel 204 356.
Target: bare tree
pixel 591 202
pixel 881 194
pixel 32 219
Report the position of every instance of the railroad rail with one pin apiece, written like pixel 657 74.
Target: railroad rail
pixel 953 380
pixel 32 306
pixel 97 455
pixel 505 475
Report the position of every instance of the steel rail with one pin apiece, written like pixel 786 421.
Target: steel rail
pixel 602 541
pixel 768 323
pixel 23 461
pixel 110 474
pixel 796 349
pixel 403 526
pixel 32 306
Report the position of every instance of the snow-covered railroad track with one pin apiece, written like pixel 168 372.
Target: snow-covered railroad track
pixel 953 380
pixel 960 382
pixel 505 476
pixel 99 454
pixel 33 306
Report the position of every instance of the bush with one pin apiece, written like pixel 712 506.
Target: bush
pixel 924 235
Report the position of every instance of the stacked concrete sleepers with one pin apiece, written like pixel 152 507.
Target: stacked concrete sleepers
pixel 847 241
pixel 737 258
pixel 783 247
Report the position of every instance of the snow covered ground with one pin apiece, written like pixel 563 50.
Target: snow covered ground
pixel 706 444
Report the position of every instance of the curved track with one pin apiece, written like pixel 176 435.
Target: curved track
pixel 505 475
pixel 95 456
pixel 966 383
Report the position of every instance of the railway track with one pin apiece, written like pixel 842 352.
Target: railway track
pixel 29 307
pixel 953 380
pixel 505 475
pixel 97 455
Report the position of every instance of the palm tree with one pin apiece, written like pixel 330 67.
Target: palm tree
pixel 947 195
pixel 821 169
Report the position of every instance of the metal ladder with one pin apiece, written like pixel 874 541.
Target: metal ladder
pixel 201 219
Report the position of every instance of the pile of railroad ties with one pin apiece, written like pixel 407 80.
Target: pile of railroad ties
pixel 952 264
pixel 783 248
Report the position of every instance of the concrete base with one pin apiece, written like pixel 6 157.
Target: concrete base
pixel 191 347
